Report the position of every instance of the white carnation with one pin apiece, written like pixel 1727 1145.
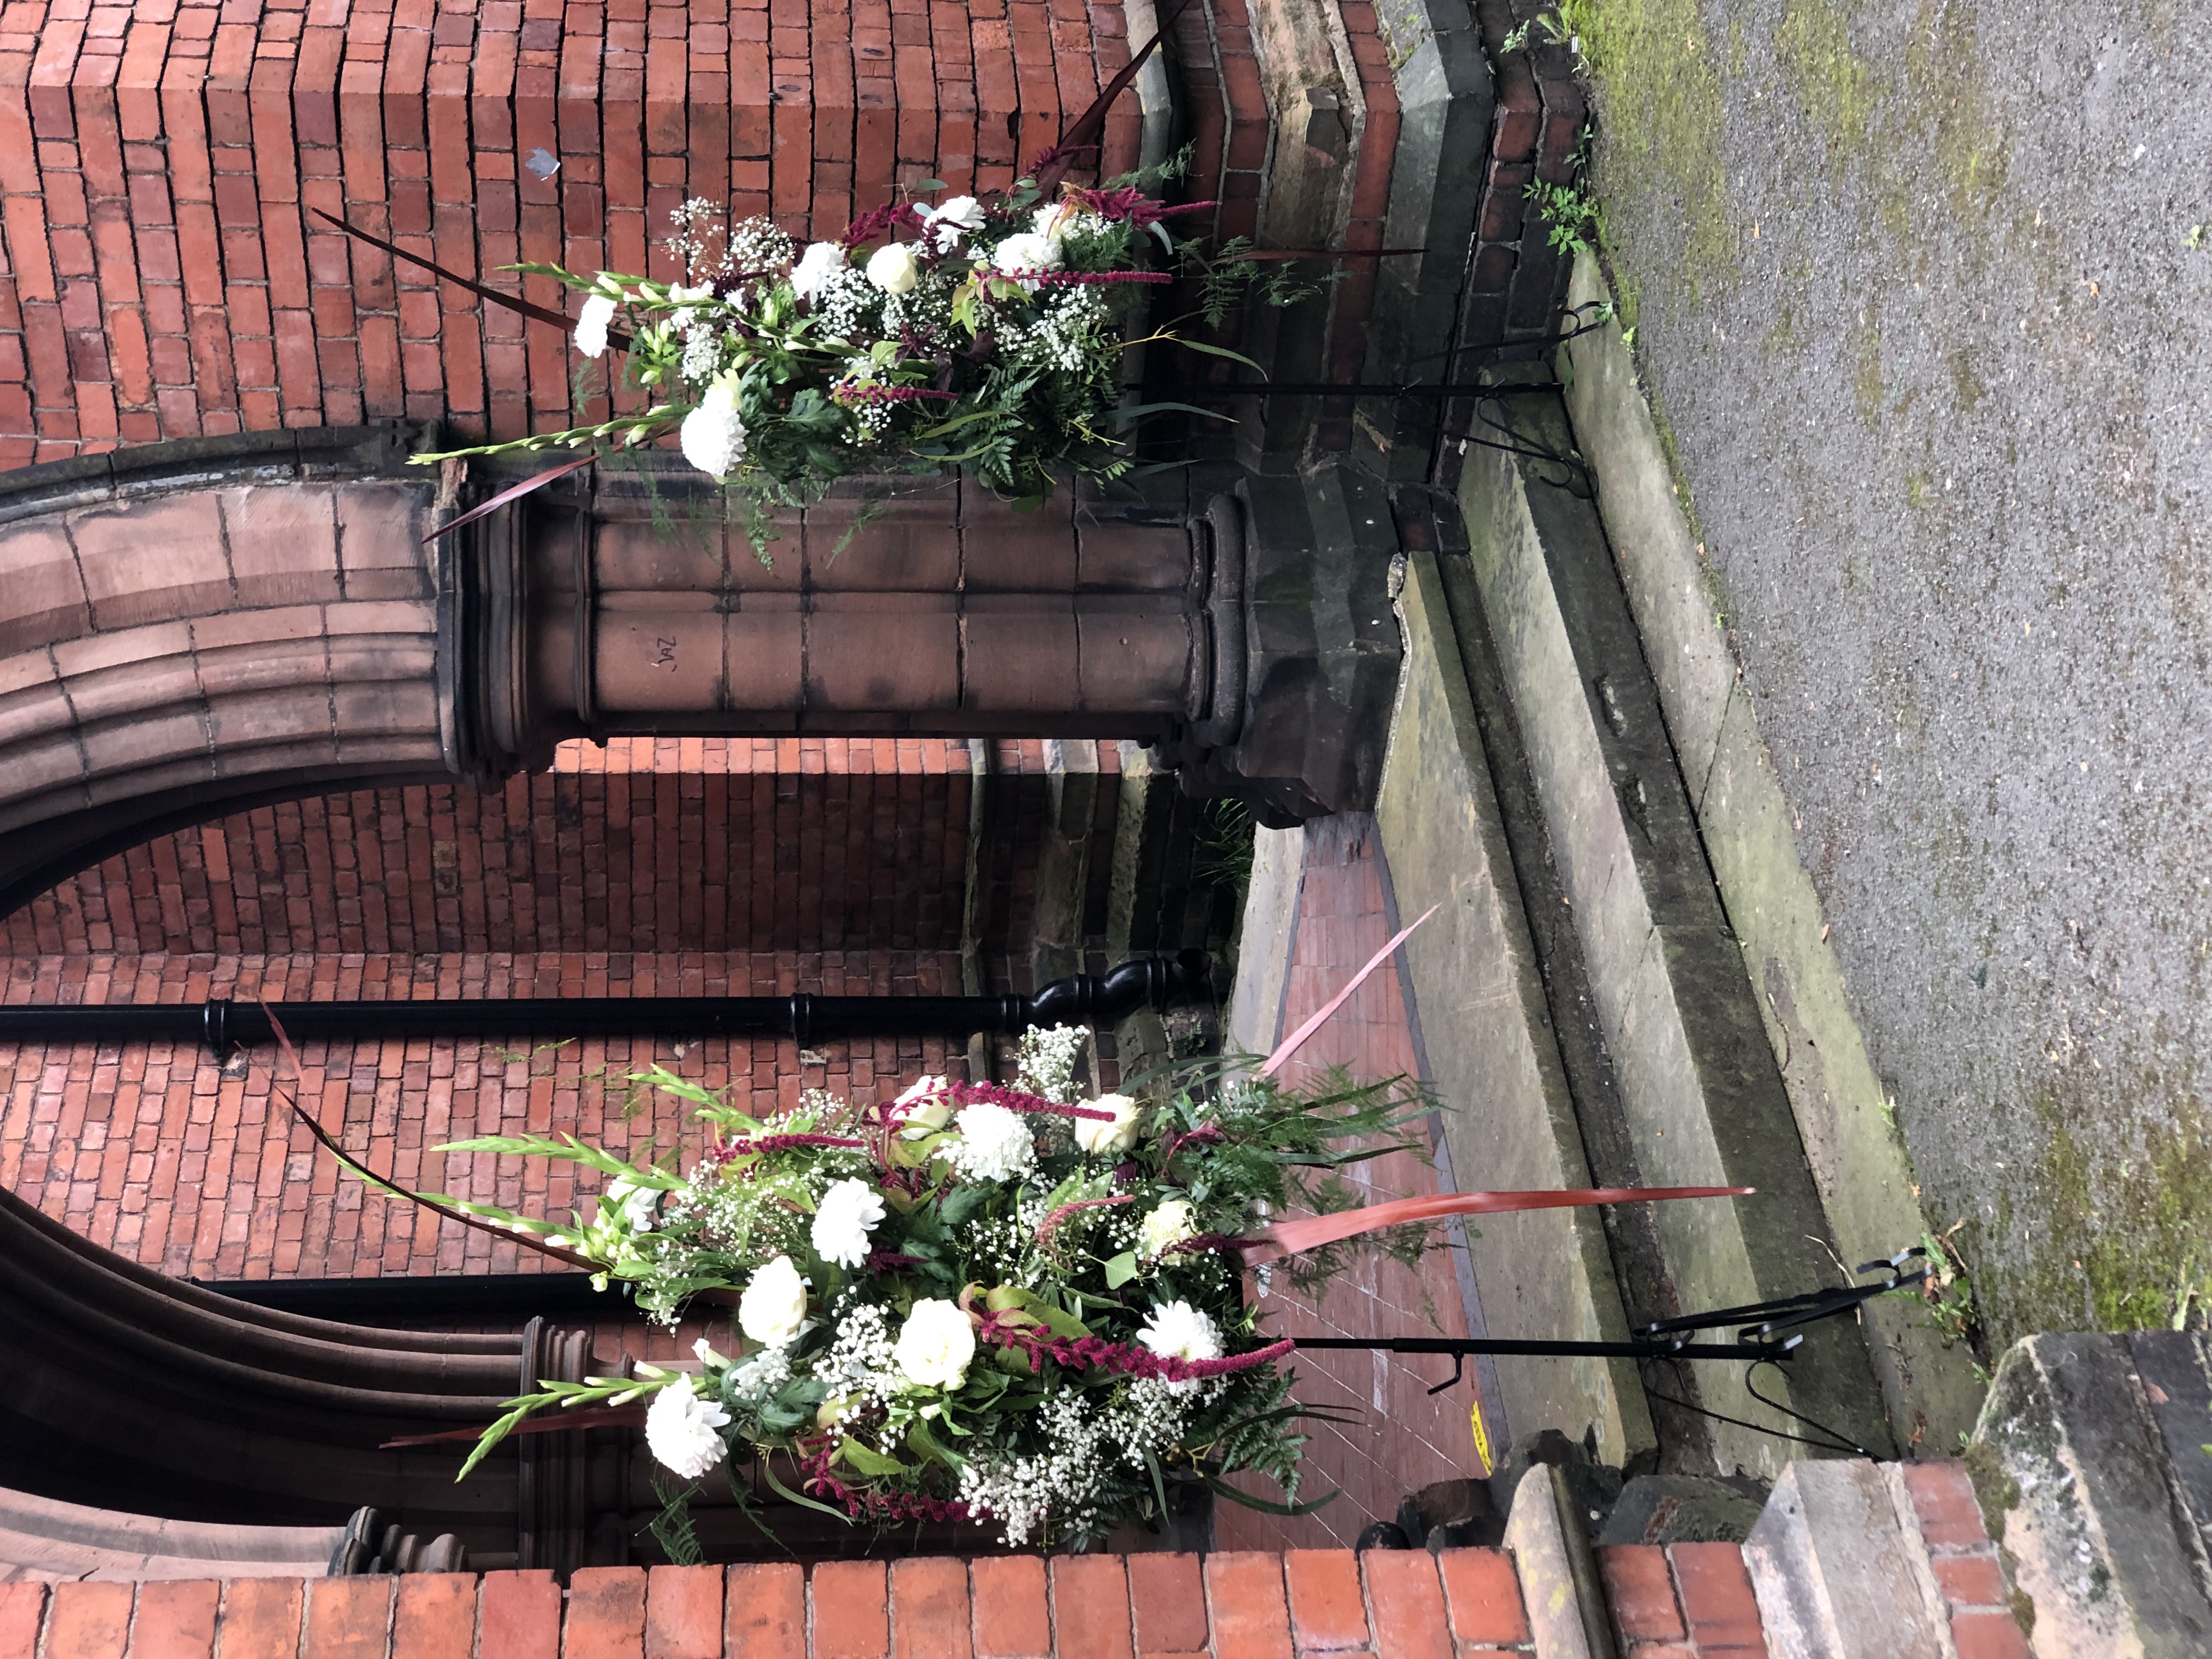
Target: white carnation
pixel 893 268
pixel 1026 251
pixel 815 268
pixel 1097 1135
pixel 681 1429
pixel 1054 220
pixel 592 326
pixel 773 1309
pixel 1175 1330
pixel 842 1219
pixel 1169 1225
pixel 713 435
pixel 994 1145
pixel 935 1345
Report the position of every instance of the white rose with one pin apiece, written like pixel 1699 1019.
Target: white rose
pixel 1175 1330
pixel 1097 1135
pixel 924 1107
pixel 773 1309
pixel 1169 1225
pixel 1026 251
pixel 893 268
pixel 948 223
pixel 935 1345
pixel 713 435
pixel 814 267
pixel 995 1144
pixel 843 1221
pixel 680 1428
pixel 592 326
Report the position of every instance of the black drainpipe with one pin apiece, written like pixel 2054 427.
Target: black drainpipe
pixel 1085 998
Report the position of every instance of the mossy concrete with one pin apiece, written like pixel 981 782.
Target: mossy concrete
pixel 1848 1124
pixel 1915 287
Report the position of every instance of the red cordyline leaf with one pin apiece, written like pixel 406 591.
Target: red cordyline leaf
pixel 1083 133
pixel 514 492
pixel 292 1099
pixel 1311 1232
pixel 616 338
pixel 1290 1044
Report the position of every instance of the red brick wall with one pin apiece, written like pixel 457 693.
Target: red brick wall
pixel 1681 1602
pixel 163 275
pixel 828 864
pixel 159 1153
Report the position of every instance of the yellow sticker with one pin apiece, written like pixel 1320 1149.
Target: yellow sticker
pixel 1482 1433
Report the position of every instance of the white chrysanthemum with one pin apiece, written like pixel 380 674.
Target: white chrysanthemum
pixel 994 1143
pixel 935 1345
pixel 960 216
pixel 1169 1225
pixel 923 1108
pixel 1175 1330
pixel 815 268
pixel 592 326
pixel 681 1429
pixel 1097 1135
pixel 843 1221
pixel 1027 250
pixel 773 1309
pixel 712 435
pixel 893 268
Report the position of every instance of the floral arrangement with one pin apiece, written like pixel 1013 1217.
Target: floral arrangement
pixel 999 1303
pixel 977 333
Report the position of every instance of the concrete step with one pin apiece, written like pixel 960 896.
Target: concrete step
pixel 1698 1083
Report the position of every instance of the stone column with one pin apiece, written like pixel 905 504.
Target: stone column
pixel 629 607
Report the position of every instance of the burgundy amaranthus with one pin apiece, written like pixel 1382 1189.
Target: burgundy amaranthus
pixel 1045 1227
pixel 996 1094
pixel 851 392
pixel 816 1476
pixel 1129 203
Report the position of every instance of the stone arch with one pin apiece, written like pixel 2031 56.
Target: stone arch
pixel 194 628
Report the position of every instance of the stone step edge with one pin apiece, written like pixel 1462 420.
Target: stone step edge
pixel 1848 1123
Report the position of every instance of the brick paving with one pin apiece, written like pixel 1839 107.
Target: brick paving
pixel 1222 1606
pixel 1402 1438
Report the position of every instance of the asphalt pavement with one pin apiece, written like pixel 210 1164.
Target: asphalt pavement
pixel 1918 295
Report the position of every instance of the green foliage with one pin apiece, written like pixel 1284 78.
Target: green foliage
pixel 672 1528
pixel 1226 841
pixel 1573 221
